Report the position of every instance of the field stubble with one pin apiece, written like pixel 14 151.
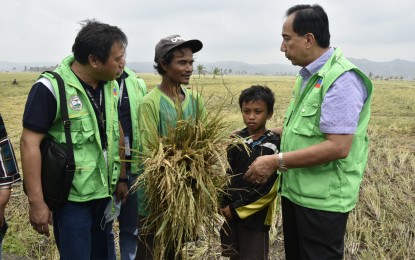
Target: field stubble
pixel 382 226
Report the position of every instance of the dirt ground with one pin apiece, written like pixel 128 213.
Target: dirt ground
pixel 6 256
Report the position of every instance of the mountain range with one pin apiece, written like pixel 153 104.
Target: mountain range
pixel 393 69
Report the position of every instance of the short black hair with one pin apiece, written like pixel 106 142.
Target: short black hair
pixel 258 93
pixel 96 38
pixel 311 19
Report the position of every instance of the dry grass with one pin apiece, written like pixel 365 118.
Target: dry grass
pixel 382 226
pixel 184 176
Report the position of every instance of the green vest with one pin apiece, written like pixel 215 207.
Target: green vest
pixel 333 186
pixel 136 88
pixel 93 178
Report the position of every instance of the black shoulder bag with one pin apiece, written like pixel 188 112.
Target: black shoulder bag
pixel 58 162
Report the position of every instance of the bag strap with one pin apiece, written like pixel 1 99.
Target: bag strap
pixel 70 167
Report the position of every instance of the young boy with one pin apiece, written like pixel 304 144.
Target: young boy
pixel 249 207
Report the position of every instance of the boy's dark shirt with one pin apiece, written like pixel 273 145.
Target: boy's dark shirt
pixel 242 193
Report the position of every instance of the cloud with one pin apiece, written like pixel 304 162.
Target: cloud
pixel 248 31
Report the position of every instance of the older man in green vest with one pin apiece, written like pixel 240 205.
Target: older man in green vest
pixel 324 147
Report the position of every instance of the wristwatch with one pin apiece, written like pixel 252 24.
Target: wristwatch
pixel 281 164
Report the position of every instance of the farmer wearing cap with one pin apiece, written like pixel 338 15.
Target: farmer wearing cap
pixel 162 107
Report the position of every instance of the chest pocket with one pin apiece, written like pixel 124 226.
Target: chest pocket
pixel 82 130
pixel 308 120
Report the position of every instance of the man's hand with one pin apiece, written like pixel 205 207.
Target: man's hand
pixel 121 193
pixel 261 169
pixel 39 213
pixel 226 211
pixel 40 216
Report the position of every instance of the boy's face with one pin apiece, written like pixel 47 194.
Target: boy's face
pixel 255 115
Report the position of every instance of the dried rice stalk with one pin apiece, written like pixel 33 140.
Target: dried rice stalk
pixel 183 177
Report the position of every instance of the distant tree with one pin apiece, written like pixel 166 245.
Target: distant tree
pixel 370 75
pixel 43 68
pixel 201 70
pixel 216 72
pixel 25 68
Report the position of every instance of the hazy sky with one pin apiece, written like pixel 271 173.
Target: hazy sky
pixel 248 31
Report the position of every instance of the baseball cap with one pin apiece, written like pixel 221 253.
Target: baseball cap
pixel 170 42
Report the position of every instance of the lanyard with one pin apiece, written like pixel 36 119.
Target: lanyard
pixel 100 114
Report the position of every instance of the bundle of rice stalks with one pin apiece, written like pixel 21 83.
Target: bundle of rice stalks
pixel 183 177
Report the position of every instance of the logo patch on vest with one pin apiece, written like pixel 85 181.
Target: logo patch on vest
pixel 75 103
pixel 318 84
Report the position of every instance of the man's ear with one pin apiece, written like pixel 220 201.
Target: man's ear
pixel 93 60
pixel 310 39
pixel 163 64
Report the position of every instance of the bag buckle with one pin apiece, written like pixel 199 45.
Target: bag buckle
pixel 67 124
pixel 70 168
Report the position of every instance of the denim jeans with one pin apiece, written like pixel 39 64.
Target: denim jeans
pixel 127 221
pixel 79 233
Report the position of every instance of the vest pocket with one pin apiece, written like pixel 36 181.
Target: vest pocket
pixel 82 130
pixel 307 120
pixel 87 179
pixel 314 183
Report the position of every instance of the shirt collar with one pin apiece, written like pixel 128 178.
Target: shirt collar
pixel 316 65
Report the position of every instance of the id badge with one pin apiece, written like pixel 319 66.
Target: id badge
pixel 127 146
pixel 105 157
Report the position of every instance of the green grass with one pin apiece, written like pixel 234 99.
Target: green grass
pixel 382 226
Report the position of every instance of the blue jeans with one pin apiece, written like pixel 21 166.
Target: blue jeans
pixel 79 233
pixel 127 221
